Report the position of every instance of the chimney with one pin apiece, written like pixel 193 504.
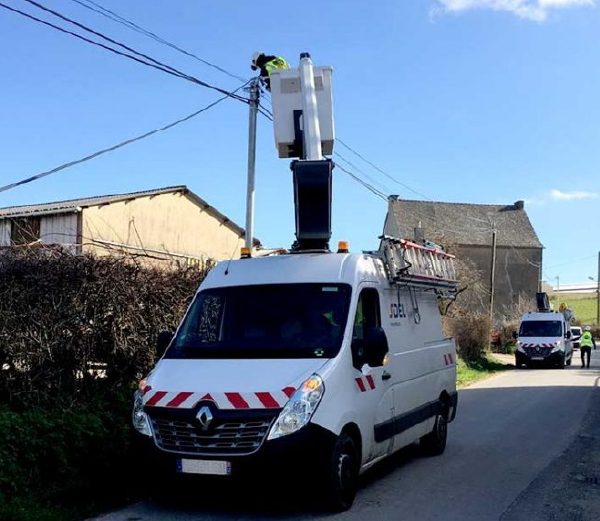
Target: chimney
pixel 419 235
pixel 519 205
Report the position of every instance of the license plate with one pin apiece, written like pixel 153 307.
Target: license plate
pixel 537 357
pixel 200 466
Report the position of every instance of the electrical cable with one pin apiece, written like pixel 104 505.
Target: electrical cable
pixel 104 37
pixel 162 67
pixel 369 187
pixel 115 17
pixel 380 170
pixel 360 171
pixel 141 57
pixel 114 147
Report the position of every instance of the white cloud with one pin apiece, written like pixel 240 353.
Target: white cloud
pixel 536 10
pixel 557 195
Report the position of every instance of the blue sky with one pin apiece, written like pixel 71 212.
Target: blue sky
pixel 485 101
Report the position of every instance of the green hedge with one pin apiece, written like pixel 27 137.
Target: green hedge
pixel 77 457
pixel 65 426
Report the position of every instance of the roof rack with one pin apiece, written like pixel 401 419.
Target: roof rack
pixel 427 267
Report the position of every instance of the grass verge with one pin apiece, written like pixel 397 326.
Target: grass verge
pixel 470 372
pixel 583 305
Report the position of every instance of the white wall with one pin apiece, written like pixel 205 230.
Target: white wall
pixel 5 233
pixel 59 229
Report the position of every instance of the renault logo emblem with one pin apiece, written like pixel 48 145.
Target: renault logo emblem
pixel 204 417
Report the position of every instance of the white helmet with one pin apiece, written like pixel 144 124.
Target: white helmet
pixel 587 328
pixel 255 57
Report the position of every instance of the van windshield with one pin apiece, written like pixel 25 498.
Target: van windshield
pixel 264 321
pixel 541 328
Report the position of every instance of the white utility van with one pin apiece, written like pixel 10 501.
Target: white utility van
pixel 311 362
pixel 544 338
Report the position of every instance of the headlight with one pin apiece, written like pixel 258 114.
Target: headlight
pixel 556 347
pixel 520 347
pixel 139 417
pixel 299 409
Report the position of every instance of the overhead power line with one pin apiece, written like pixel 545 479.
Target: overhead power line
pixel 380 170
pixel 139 58
pixel 370 163
pixel 368 186
pixel 112 148
pixel 145 59
pixel 362 172
pixel 269 115
pixel 115 17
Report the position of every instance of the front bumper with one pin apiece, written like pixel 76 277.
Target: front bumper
pixel 550 359
pixel 296 453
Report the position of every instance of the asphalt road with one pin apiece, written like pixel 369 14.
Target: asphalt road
pixel 509 429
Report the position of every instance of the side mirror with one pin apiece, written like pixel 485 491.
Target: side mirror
pixel 376 346
pixel 568 335
pixel 515 335
pixel 163 341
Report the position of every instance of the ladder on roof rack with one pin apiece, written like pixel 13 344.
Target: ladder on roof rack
pixel 410 263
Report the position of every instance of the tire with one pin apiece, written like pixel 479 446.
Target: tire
pixel 434 443
pixel 570 360
pixel 561 364
pixel 341 475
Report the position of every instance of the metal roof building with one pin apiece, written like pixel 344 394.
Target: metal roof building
pixel 166 223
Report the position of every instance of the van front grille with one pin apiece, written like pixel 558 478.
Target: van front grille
pixel 225 437
pixel 537 350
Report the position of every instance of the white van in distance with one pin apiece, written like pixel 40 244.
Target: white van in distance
pixel 306 361
pixel 544 338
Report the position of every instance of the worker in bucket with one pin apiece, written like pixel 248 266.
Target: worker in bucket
pixel 586 342
pixel 267 64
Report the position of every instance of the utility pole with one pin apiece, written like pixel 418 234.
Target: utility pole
pixel 254 91
pixel 492 277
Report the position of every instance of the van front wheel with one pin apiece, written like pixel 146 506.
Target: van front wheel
pixel 434 443
pixel 342 474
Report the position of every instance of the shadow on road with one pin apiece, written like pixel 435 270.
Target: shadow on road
pixel 274 498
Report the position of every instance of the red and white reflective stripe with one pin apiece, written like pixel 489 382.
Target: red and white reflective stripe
pixel 537 345
pixel 449 359
pixel 366 383
pixel 229 400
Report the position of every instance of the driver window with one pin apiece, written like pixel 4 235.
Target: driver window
pixel 367 313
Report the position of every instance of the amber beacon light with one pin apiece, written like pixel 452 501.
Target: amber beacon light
pixel 343 247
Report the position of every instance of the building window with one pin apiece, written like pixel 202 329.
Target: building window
pixel 25 230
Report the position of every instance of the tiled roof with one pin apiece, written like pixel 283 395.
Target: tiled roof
pixel 466 224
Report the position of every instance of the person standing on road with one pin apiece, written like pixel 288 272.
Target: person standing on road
pixel 585 345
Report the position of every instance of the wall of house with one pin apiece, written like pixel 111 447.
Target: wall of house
pixel 517 272
pixel 390 226
pixel 53 229
pixel 60 229
pixel 5 233
pixel 166 222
